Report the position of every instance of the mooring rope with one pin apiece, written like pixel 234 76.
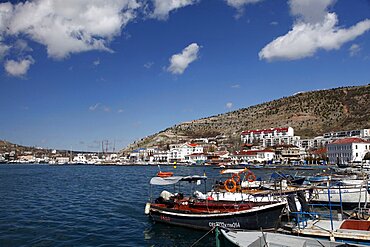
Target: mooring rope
pixel 196 242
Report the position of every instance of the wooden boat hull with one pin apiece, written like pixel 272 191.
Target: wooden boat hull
pixel 265 216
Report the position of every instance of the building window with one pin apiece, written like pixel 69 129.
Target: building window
pixel 356 146
pixel 356 154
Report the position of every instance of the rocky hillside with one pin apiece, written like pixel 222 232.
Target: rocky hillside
pixel 6 146
pixel 309 113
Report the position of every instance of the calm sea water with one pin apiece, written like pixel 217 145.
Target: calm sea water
pixel 43 205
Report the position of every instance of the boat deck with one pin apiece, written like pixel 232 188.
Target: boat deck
pixel 322 228
pixel 207 207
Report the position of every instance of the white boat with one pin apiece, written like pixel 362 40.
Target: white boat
pixel 346 192
pixel 260 239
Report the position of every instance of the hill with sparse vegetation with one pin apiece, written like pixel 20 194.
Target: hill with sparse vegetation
pixel 309 113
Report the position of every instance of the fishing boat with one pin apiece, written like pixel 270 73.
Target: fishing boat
pixel 259 239
pixel 241 186
pixel 204 214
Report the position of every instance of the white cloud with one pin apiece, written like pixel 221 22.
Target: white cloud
pixel 99 107
pixel 18 68
pixel 148 65
pixel 6 10
pixel 3 50
pixel 229 105
pixel 162 8
pixel 354 50
pixel 94 107
pixel 179 62
pixel 96 62
pixel 312 11
pixel 235 86
pixel 311 32
pixel 22 46
pixel 240 4
pixel 68 26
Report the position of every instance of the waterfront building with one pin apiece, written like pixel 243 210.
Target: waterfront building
pixel 197 158
pixel 160 156
pixel 318 155
pixel 348 150
pixel 288 153
pixel 270 137
pixel 142 154
pixel 260 156
pixel 178 152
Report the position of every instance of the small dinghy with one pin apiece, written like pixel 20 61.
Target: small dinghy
pixel 164 174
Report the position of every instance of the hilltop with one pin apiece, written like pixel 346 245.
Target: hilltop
pixel 6 146
pixel 309 113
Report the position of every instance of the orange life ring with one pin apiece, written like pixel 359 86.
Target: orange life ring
pixel 251 177
pixel 227 183
pixel 237 176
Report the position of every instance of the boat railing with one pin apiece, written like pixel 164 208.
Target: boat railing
pixel 302 218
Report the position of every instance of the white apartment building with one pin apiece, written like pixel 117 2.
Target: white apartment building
pixel 348 150
pixel 270 137
pixel 348 133
pixel 160 156
pixel 196 158
pixel 179 152
pixel 316 142
pixel 253 156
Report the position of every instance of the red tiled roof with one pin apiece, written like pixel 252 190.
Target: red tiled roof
pixel 265 131
pixel 320 151
pixel 253 152
pixel 247 145
pixel 197 154
pixel 349 140
pixel 192 144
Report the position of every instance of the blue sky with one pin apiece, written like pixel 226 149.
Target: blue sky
pixel 74 73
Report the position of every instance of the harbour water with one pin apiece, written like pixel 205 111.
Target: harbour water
pixel 44 205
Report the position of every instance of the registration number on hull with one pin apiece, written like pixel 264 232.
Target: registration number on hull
pixel 223 224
